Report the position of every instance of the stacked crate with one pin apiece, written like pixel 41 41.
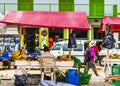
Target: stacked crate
pixel 116 71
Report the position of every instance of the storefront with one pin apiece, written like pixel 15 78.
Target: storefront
pixel 22 19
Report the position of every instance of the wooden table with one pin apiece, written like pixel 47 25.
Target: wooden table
pixel 35 64
pixel 60 65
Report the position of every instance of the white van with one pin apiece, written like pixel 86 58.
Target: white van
pixel 61 48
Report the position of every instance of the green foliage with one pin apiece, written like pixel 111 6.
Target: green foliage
pixel 60 77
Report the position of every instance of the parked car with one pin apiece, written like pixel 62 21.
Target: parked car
pixel 61 47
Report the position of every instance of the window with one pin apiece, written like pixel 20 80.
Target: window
pixel 25 4
pixel 97 34
pixel 96 7
pixel 79 47
pixel 65 47
pixel 57 47
pixel 81 33
pixel 66 5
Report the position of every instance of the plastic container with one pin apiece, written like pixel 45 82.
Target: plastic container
pixel 115 71
pixel 5 55
pixel 73 76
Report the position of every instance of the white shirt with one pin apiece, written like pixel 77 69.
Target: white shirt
pixel 47 54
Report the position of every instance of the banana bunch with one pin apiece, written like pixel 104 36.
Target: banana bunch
pixel 115 56
pixel 23 55
pixel 19 55
pixel 112 56
pixel 15 54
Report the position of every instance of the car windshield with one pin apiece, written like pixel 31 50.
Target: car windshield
pixel 65 47
pixel 78 48
pixel 57 47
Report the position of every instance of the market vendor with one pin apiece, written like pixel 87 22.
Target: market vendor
pixel 108 41
pixel 46 52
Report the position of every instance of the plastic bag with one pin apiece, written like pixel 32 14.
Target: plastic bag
pixel 20 80
pixel 108 41
pixel 21 76
pixel 47 83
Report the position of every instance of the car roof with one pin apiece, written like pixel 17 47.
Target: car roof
pixel 66 41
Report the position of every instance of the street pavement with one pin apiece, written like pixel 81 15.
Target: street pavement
pixel 95 80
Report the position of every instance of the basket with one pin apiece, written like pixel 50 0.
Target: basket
pixel 33 79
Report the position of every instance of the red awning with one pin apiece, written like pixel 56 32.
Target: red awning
pixel 73 20
pixel 114 22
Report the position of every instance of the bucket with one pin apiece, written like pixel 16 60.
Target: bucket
pixel 73 76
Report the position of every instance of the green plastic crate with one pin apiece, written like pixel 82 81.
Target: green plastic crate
pixel 115 82
pixel 116 71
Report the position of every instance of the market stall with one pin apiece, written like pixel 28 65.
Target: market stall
pixel 22 19
pixel 111 65
pixel 114 22
pixel 36 19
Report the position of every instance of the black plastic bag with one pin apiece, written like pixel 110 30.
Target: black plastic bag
pixel 20 80
pixel 72 41
pixel 108 41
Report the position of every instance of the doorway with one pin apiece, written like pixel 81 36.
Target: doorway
pixel 97 34
pixel 56 33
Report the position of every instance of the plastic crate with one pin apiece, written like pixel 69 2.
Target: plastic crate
pixel 115 71
pixel 115 82
pixel 33 79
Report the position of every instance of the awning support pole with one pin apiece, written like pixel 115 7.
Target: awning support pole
pixel 20 38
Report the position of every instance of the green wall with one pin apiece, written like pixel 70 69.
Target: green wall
pixel 25 4
pixel 66 5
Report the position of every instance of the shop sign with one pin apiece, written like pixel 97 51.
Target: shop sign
pixel 44 33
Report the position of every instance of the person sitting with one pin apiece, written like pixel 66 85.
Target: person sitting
pixel 46 52
pixel 47 62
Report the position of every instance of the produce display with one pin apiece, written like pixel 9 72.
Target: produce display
pixel 77 62
pixel 19 55
pixel 64 58
pixel 112 56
